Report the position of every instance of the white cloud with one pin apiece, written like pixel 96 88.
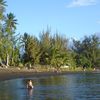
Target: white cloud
pixel 79 3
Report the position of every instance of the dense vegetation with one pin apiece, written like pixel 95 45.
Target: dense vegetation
pixel 21 50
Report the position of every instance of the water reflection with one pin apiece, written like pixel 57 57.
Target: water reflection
pixel 30 92
pixel 84 86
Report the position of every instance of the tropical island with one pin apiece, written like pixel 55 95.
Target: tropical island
pixel 48 53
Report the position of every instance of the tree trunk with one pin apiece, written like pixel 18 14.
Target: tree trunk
pixel 7 60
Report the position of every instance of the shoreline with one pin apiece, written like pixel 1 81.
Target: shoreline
pixel 8 73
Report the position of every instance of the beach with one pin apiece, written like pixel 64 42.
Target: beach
pixel 13 73
pixel 61 87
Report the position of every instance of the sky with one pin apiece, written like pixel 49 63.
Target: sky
pixel 71 18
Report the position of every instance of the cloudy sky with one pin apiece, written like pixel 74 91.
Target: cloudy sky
pixel 71 18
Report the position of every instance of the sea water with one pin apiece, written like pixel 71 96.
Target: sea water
pixel 77 86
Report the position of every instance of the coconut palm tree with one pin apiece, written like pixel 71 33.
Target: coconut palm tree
pixel 10 27
pixel 10 23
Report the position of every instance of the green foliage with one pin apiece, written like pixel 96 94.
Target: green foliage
pixel 54 50
pixel 8 48
pixel 20 65
pixel 47 50
pixel 2 9
pixel 32 49
pixel 45 45
pixel 87 51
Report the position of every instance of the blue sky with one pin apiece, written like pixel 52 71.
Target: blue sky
pixel 71 18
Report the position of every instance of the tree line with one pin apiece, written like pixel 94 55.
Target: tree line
pixel 53 50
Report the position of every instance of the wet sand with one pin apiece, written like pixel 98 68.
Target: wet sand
pixel 11 73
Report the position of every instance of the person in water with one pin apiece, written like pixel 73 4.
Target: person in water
pixel 30 84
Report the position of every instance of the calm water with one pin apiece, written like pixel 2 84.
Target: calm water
pixel 84 86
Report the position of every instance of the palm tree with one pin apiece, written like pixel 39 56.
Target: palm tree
pixel 10 27
pixel 2 8
pixel 10 23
